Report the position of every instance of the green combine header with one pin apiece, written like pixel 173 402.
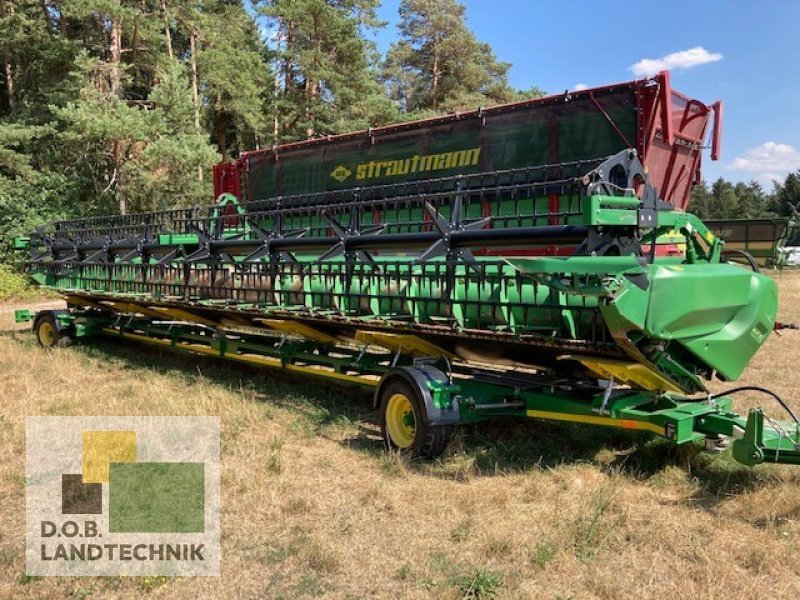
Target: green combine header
pixel 496 272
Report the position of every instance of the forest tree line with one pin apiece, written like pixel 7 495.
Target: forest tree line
pixel 124 105
pixel 726 200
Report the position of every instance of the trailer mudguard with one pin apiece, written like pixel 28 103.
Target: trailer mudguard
pixel 64 319
pixel 433 386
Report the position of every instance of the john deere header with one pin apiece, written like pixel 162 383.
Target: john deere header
pixel 475 266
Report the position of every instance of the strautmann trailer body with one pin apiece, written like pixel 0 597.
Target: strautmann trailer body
pixel 441 288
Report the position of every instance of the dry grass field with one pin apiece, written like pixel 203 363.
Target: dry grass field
pixel 312 507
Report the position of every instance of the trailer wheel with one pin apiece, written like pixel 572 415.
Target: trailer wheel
pixel 48 333
pixel 403 423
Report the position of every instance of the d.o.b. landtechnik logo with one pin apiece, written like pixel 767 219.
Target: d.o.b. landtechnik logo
pixel 122 496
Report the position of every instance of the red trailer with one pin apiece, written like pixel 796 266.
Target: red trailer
pixel 667 128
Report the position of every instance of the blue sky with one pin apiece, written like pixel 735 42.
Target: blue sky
pixel 558 45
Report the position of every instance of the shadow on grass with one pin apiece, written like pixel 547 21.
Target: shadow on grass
pixel 494 447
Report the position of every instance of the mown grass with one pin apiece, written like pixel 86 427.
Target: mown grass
pixel 312 506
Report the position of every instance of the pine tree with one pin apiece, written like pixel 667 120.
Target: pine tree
pixel 438 65
pixel 752 200
pixel 100 131
pixel 700 201
pixel 723 204
pixel 15 161
pixel 325 76
pixel 233 73
pixel 787 195
pixel 164 172
pixel 113 77
pixel 144 155
pixel 35 54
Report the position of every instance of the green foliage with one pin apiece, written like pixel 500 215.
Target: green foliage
pixel 480 583
pixel 724 200
pixel 161 150
pixel 164 172
pixel 118 104
pixel 37 56
pixel 234 75
pixel 14 160
pixel 12 284
pixel 439 65
pixel 787 195
pixel 543 554
pixel 591 528
pixel 25 205
pixel 326 69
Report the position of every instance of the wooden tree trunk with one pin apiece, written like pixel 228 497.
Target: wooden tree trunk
pixel 310 90
pixel 287 62
pixel 220 131
pixel 62 21
pixel 435 83
pixel 287 73
pixel 9 74
pixel 167 30
pixel 276 119
pixel 115 88
pixel 195 81
pixel 195 88
pixel 115 55
pixel 119 160
pixel 312 85
pixel 8 67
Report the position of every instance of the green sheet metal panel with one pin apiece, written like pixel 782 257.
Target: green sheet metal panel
pixel 516 136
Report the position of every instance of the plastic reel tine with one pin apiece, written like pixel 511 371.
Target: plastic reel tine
pixel 455 216
pixel 479 224
pixel 367 258
pixel 468 257
pixel 374 229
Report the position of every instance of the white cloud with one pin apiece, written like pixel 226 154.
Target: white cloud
pixel 768 161
pixel 578 87
pixel 685 59
pixel 769 155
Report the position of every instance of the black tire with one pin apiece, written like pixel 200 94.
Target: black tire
pixel 48 333
pixel 427 442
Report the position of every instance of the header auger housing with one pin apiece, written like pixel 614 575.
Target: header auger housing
pixel 457 298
